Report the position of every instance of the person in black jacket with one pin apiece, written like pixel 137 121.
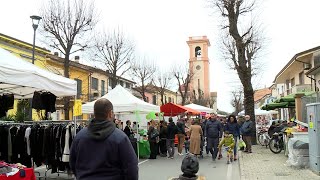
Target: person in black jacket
pixel 153 135
pixel 163 139
pixel 171 132
pixel 127 130
pixel 213 133
pixel 233 127
pixel 181 135
pixel 101 151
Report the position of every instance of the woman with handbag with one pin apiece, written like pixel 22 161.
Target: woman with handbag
pixel 153 135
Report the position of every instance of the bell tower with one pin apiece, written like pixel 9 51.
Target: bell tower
pixel 199 66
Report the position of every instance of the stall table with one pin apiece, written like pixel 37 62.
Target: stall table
pixel 29 175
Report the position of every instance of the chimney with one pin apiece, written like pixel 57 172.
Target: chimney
pixel 56 54
pixel 76 59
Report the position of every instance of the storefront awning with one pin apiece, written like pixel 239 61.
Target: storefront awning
pixel 291 97
pixel 276 105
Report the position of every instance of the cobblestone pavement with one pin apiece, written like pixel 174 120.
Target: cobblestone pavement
pixel 262 164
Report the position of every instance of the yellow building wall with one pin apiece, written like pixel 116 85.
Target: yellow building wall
pixel 18 48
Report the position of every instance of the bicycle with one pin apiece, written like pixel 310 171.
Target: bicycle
pixel 264 138
pixel 276 143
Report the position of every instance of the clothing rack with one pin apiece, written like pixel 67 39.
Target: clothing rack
pixel 74 121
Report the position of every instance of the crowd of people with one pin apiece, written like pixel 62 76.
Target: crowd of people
pixel 199 135
pixel 104 151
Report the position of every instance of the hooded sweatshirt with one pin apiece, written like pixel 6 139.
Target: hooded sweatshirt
pixel 103 152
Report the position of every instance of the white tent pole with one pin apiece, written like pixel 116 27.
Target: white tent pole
pixel 138 135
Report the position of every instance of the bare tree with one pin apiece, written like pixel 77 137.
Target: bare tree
pixel 143 72
pixel 65 23
pixel 183 76
pixel 241 43
pixel 163 80
pixel 115 52
pixel 237 101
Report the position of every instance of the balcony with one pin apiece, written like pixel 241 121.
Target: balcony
pixel 301 88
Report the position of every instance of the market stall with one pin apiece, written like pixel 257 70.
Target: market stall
pixel 171 109
pixel 200 108
pixel 22 78
pixel 127 106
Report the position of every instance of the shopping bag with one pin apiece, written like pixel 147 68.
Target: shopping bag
pixel 241 144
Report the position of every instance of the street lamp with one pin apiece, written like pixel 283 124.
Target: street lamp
pixel 35 23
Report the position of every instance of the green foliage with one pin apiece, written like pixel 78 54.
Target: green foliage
pixel 8 118
pixel 22 110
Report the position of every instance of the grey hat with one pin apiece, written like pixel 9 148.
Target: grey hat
pixel 190 165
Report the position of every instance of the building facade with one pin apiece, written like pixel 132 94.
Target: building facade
pixel 92 83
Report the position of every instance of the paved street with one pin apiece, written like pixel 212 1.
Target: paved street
pixel 163 169
pixel 262 164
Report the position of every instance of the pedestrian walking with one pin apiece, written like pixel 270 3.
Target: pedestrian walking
pixel 247 130
pixel 171 132
pixel 153 136
pixel 233 128
pixel 101 151
pixel 204 139
pixel 187 145
pixel 229 143
pixel 213 133
pixel 181 136
pixel 195 138
pixel 163 139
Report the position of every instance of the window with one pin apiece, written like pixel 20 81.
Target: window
pixel 301 78
pixel 293 83
pixel 197 51
pixel 127 85
pixel 316 60
pixel 154 99
pixel 165 99
pixel 110 82
pixel 121 83
pixel 79 88
pixel 94 83
pixel 103 92
pixel 169 99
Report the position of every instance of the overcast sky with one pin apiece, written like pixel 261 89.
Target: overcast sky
pixel 160 30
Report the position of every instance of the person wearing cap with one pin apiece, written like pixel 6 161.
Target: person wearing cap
pixel 189 168
pixel 101 151
pixel 247 130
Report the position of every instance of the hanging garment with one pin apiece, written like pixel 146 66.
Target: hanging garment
pixel 36 101
pixel 66 151
pixel 27 139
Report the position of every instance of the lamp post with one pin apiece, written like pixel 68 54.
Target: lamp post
pixel 35 24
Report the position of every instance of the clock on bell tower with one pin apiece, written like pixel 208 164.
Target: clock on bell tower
pixel 199 65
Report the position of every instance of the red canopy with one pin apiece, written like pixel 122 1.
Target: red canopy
pixel 171 109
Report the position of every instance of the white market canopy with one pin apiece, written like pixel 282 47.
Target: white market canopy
pixel 260 112
pixel 200 108
pixel 123 102
pixel 22 78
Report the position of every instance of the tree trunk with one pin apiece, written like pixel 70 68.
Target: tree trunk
pixel 161 98
pixel 67 75
pixel 114 80
pixel 249 105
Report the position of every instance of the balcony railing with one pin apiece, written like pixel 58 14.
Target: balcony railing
pixel 301 88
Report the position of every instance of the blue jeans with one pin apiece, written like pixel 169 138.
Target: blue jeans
pixel 235 146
